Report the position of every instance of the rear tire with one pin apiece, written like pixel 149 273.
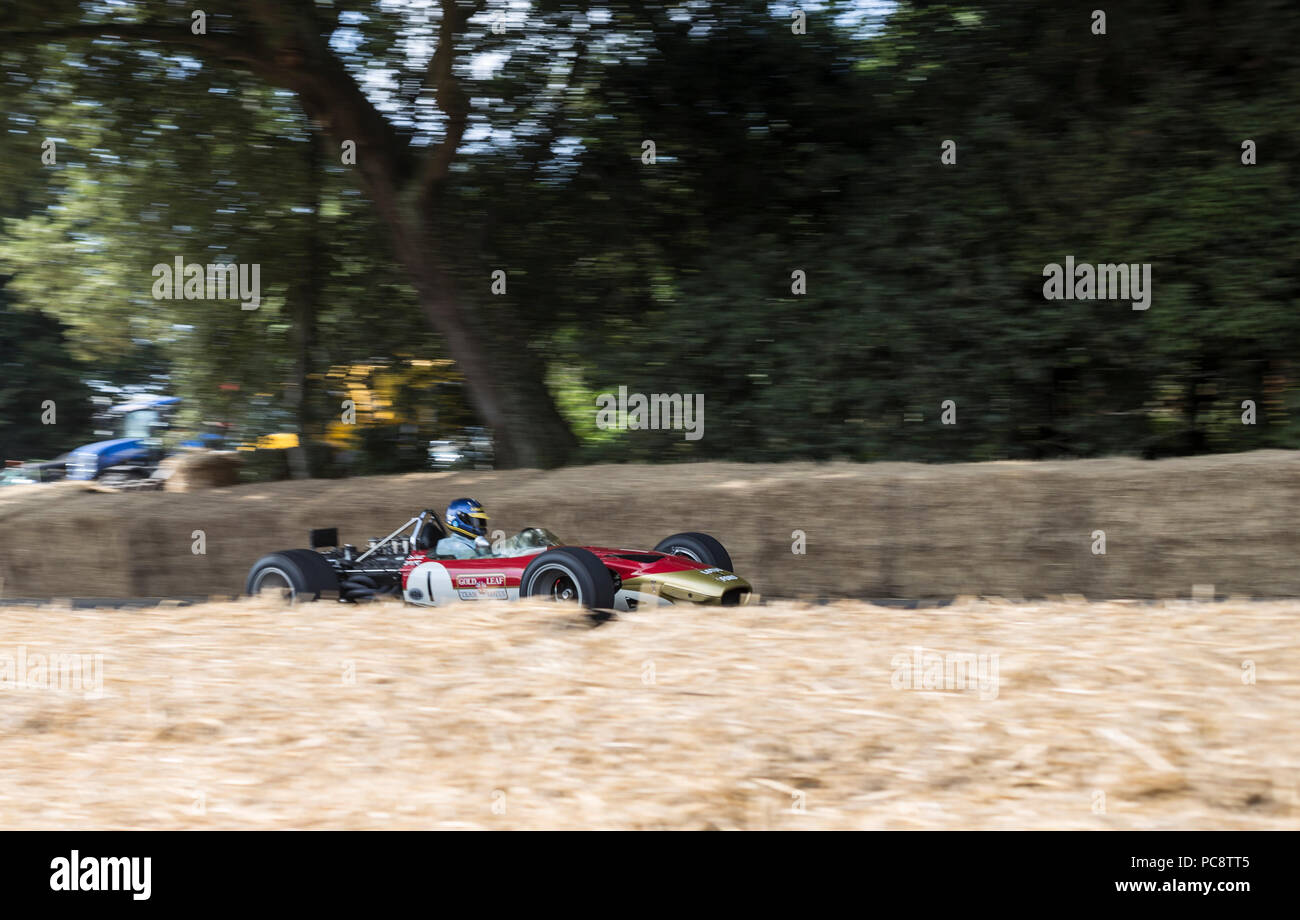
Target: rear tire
pixel 569 573
pixel 698 546
pixel 297 574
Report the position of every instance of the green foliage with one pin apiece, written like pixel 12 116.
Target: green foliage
pixel 36 368
pixel 161 155
pixel 775 152
pixel 924 281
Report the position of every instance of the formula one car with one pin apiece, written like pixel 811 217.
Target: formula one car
pixel 688 568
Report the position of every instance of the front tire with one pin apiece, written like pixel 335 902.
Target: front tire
pixel 698 546
pixel 295 574
pixel 569 573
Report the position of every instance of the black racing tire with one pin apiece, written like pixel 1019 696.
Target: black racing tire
pixel 299 574
pixel 566 573
pixel 698 546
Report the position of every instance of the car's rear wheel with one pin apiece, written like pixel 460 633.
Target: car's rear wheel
pixel 698 546
pixel 293 574
pixel 569 574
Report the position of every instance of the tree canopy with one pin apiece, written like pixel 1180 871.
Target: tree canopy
pixel 493 137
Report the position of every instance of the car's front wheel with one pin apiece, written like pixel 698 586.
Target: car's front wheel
pixel 569 574
pixel 698 546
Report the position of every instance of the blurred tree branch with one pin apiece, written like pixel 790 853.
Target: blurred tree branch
pixel 450 96
pixel 289 46
pixel 229 45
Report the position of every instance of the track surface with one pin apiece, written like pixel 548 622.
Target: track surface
pixel 248 714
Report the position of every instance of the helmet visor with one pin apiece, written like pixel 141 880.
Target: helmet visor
pixel 473 521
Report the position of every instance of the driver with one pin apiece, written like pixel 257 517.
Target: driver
pixel 466 531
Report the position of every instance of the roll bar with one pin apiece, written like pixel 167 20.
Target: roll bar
pixel 417 521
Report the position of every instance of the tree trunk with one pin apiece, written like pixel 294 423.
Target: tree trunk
pixel 504 379
pixel 304 306
pixel 285 44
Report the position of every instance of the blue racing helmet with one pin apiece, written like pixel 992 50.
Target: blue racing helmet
pixel 467 517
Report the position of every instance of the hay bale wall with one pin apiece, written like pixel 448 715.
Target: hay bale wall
pixel 192 470
pixel 872 530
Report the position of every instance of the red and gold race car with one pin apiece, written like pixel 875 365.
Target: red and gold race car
pixel 686 568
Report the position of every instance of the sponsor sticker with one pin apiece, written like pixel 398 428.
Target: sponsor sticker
pixel 473 594
pixel 485 580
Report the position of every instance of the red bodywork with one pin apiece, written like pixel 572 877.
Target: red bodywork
pixel 471 573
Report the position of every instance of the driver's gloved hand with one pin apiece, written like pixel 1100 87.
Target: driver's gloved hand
pixel 482 545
